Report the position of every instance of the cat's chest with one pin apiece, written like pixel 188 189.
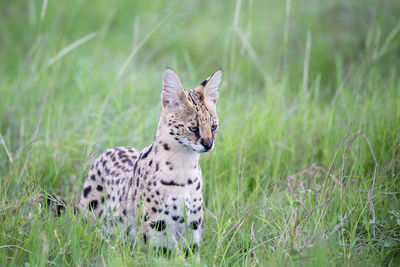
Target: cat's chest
pixel 182 193
pixel 180 181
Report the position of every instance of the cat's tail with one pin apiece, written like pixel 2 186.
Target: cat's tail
pixel 58 205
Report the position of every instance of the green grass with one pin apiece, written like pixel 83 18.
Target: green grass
pixel 310 96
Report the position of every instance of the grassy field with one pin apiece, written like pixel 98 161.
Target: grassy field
pixel 306 167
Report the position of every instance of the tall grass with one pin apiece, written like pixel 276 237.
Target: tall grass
pixel 306 165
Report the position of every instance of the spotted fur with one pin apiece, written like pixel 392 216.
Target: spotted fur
pixel 163 182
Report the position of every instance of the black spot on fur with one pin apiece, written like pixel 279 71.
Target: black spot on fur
pixel 154 209
pixel 198 186
pixel 166 146
pixel 93 177
pixel 175 218
pixel 128 230
pixel 194 225
pixel 98 172
pixel 192 248
pixel 166 212
pixel 161 225
pixel 147 153
pixel 145 238
pixel 157 167
pixel 162 251
pixel 93 205
pixel 189 181
pixel 86 191
pixel 171 183
pixel 134 168
pixel 99 188
pixel 150 162
pixel 102 200
pixel 122 154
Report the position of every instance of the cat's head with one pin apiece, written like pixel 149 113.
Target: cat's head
pixel 191 116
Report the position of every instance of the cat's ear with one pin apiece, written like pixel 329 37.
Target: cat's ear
pixel 209 87
pixel 172 94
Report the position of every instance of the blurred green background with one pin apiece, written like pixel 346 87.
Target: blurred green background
pixel 310 96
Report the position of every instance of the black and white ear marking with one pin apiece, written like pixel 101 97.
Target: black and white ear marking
pixel 205 82
pixel 211 87
pixel 171 96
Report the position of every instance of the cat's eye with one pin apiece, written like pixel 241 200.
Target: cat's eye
pixel 214 127
pixel 194 129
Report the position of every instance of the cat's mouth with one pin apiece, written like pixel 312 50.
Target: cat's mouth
pixel 198 147
pixel 201 149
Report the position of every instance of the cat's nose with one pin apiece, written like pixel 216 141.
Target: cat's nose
pixel 207 144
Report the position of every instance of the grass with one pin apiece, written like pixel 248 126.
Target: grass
pixel 306 166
